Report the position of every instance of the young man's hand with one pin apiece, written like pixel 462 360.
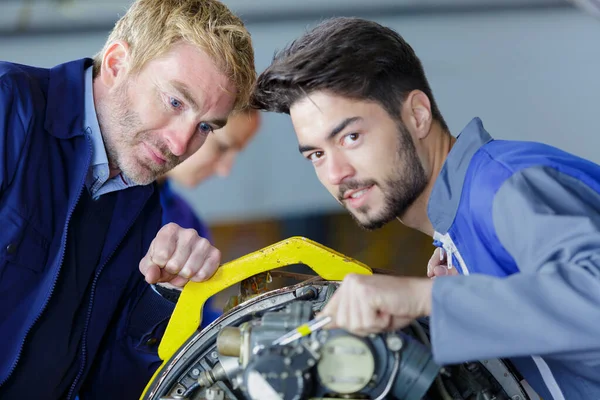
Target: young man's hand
pixel 438 265
pixel 365 304
pixel 179 255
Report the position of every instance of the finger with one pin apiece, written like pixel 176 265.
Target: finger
pixel 397 323
pixel 178 281
pixel 150 270
pixel 152 274
pixel 440 270
pixel 346 315
pixel 438 258
pixel 356 312
pixel 165 276
pixel 375 319
pixel 208 269
pixel 331 310
pixel 164 244
pixel 198 253
pixel 186 240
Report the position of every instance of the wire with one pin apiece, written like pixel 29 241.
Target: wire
pixel 189 391
pixel 392 379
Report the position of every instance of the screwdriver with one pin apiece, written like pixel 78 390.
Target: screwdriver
pixel 303 330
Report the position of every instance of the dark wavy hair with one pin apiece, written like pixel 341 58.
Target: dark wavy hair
pixel 349 57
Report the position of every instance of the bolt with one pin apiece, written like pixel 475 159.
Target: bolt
pixel 516 397
pixel 284 375
pixel 214 355
pixel 394 342
pixel 195 372
pixel 287 361
pixel 311 362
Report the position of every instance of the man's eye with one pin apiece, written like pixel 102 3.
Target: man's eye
pixel 350 138
pixel 205 128
pixel 315 156
pixel 174 102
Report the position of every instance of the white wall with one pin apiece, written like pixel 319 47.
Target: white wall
pixel 529 75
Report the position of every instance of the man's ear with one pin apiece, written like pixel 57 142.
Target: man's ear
pixel 115 63
pixel 416 114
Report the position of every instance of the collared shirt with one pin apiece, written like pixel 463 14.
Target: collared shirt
pixel 97 181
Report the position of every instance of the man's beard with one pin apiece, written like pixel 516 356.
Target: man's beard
pixel 123 139
pixel 400 190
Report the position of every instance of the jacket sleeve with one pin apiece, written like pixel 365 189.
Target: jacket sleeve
pixel 549 223
pixel 15 121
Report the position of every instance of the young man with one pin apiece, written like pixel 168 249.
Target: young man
pixel 216 156
pixel 519 221
pixel 80 146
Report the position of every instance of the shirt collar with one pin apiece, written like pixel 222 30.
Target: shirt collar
pixel 447 190
pixel 91 122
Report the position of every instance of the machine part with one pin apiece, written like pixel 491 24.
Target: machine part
pixel 282 369
pixel 394 342
pixel 403 369
pixel 417 370
pixel 500 371
pixel 390 382
pixel 249 288
pixel 229 341
pixel 209 377
pixel 215 394
pixel 301 331
pixel 396 365
pixel 327 263
pixel 347 364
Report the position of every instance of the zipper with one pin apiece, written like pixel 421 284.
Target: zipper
pixel 448 246
pixel 63 249
pixel 90 307
pixel 455 253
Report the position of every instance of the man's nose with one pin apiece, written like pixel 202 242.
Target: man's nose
pixel 338 169
pixel 179 136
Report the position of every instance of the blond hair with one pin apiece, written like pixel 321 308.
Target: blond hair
pixel 151 27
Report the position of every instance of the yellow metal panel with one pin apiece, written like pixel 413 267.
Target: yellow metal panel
pixel 186 318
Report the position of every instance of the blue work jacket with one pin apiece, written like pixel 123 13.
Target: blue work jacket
pixel 45 155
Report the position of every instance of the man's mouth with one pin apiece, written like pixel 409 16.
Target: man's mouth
pixel 357 193
pixel 357 198
pixel 156 156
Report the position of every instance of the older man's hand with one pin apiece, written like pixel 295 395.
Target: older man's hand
pixel 179 255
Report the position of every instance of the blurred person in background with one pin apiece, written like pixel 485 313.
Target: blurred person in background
pixel 83 258
pixel 216 157
pixel 518 221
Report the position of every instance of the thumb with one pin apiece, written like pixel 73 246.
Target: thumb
pixel 440 270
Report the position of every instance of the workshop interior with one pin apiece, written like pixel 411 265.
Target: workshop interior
pixel 286 242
